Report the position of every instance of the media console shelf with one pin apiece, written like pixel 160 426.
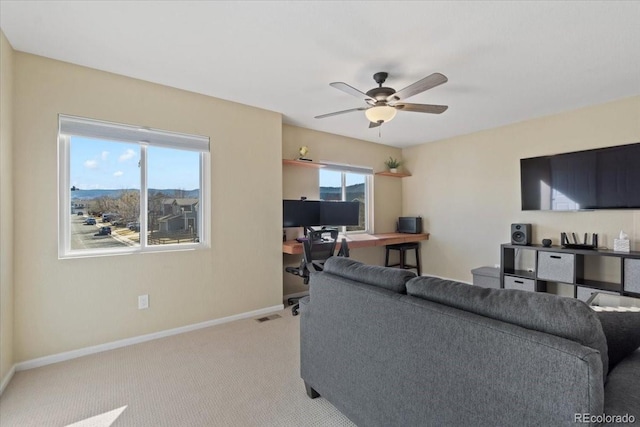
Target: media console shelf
pixel 563 265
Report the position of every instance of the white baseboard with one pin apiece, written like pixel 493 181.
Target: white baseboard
pixel 7 379
pixel 68 355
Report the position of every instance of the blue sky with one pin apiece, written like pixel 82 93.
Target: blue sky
pixel 99 164
pixel 330 178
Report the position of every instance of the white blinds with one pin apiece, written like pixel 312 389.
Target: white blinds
pixel 364 170
pixel 78 126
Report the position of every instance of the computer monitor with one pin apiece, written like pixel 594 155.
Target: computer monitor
pixel 300 213
pixel 311 213
pixel 339 213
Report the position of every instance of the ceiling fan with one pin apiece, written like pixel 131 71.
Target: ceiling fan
pixel 385 102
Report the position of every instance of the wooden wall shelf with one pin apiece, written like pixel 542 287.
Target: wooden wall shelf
pixel 363 240
pixel 302 163
pixel 395 175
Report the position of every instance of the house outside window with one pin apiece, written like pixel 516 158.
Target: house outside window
pixel 351 184
pixel 126 189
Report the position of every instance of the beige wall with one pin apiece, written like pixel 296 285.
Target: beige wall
pixel 6 207
pixel 68 304
pixel 468 188
pixel 302 181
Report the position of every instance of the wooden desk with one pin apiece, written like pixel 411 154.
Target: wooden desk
pixel 355 241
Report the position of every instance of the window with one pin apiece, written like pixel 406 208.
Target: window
pixel 351 184
pixel 126 189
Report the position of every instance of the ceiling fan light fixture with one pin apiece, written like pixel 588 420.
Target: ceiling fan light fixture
pixel 381 113
pixel 377 100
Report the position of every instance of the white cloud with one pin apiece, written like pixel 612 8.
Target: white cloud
pixel 118 173
pixel 91 164
pixel 104 155
pixel 129 154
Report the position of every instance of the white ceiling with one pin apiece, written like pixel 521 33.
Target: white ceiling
pixel 506 61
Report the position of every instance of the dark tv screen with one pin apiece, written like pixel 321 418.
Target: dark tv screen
pixel 340 213
pixel 604 178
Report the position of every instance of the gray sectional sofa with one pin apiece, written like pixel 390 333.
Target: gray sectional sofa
pixel 390 349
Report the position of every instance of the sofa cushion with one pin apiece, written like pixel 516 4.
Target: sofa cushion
pixel 393 279
pixel 621 393
pixel 564 317
pixel 622 331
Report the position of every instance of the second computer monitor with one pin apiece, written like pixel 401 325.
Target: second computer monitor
pixel 339 213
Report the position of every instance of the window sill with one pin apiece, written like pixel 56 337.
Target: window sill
pixel 135 251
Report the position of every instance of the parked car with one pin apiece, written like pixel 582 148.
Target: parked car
pixel 80 213
pixel 133 226
pixel 104 231
pixel 90 221
pixel 108 217
pixel 117 222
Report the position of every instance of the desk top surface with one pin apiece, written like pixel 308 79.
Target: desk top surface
pixel 362 240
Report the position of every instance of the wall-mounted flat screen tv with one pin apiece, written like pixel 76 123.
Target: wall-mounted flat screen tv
pixel 604 178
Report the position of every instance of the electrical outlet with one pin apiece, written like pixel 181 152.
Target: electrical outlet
pixel 143 302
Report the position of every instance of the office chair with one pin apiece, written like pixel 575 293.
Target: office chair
pixel 319 247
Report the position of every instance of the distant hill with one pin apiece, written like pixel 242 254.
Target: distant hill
pixel 95 194
pixel 354 191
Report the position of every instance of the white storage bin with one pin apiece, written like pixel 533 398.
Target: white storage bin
pixel 511 282
pixel 487 277
pixel 556 266
pixel 583 294
pixel 632 275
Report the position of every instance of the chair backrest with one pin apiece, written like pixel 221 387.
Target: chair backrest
pixel 319 247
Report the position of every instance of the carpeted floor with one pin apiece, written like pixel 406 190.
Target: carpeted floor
pixel 243 373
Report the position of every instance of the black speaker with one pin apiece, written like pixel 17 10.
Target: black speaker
pixel 520 234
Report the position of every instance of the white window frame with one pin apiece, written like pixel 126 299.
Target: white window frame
pixel 69 126
pixel 368 192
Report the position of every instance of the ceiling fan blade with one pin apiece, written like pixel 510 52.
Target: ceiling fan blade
pixel 374 124
pixel 422 108
pixel 427 83
pixel 322 116
pixel 353 91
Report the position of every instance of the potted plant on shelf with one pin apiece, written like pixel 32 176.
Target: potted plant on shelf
pixel 393 164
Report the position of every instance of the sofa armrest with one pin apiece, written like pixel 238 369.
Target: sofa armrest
pixel 622 390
